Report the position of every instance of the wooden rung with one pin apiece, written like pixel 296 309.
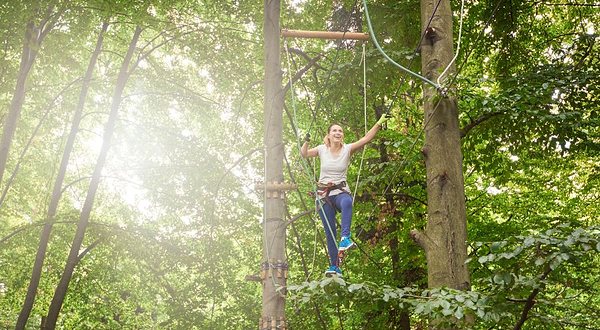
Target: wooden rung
pixel 272 323
pixel 253 278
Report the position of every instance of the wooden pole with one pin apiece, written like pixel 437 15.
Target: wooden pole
pixel 325 35
pixel 274 264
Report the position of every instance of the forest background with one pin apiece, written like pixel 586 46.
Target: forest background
pixel 132 143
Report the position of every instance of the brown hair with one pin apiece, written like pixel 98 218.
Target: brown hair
pixel 326 138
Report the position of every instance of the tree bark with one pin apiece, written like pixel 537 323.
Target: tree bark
pixel 73 259
pixel 34 35
pixel 444 238
pixel 57 190
pixel 27 60
pixel 274 227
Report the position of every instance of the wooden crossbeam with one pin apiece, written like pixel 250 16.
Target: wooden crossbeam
pixel 325 35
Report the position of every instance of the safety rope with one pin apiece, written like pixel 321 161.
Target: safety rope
pixel 320 98
pixel 410 150
pixel 462 10
pixel 416 75
pixel 362 157
pixel 414 55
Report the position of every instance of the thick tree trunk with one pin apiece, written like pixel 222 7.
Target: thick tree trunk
pixel 56 192
pixel 444 238
pixel 73 259
pixel 274 229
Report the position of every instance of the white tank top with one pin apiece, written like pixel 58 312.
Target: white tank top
pixel 334 168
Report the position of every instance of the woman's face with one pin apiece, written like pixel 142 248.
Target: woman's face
pixel 336 134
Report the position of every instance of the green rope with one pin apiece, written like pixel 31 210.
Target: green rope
pixel 416 75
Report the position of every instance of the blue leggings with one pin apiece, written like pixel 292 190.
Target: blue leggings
pixel 342 202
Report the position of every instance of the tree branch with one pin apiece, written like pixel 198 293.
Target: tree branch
pixel 420 239
pixel 88 249
pixel 299 74
pixel 31 138
pixel 465 130
pixel 307 212
pixel 530 303
pixel 566 4
pixel 306 57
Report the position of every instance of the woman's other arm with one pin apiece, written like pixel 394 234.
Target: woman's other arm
pixel 307 153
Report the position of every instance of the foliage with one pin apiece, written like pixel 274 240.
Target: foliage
pixel 525 269
pixel 177 219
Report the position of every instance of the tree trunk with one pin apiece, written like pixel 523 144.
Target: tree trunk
pixel 57 190
pixel 274 263
pixel 73 259
pixel 444 238
pixel 27 60
pixel 34 35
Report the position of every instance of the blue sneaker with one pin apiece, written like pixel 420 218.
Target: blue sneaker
pixel 333 270
pixel 346 244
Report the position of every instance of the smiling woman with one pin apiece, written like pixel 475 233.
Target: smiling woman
pixel 333 192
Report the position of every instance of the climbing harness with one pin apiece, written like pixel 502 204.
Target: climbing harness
pixel 323 191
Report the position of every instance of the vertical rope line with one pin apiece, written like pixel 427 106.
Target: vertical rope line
pixel 416 75
pixel 362 157
pixel 303 161
pixel 462 9
pixel 320 98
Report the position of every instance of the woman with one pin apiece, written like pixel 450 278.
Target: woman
pixel 334 194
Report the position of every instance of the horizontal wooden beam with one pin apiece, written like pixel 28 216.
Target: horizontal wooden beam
pixel 325 35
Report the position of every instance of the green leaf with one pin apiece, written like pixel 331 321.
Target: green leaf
pixel 528 241
pixel 498 279
pixel 339 280
pixel 496 246
pixel 503 278
pixel 445 304
pixel 355 287
pixel 447 312
pixel 480 313
pixel 556 262
pixel 459 313
pixel 420 308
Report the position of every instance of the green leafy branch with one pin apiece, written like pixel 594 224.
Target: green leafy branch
pixel 507 291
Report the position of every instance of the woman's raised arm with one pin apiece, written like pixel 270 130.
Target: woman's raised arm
pixel 370 134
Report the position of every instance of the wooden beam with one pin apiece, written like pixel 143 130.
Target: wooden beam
pixel 325 35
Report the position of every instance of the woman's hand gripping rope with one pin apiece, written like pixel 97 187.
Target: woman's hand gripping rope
pixel 383 119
